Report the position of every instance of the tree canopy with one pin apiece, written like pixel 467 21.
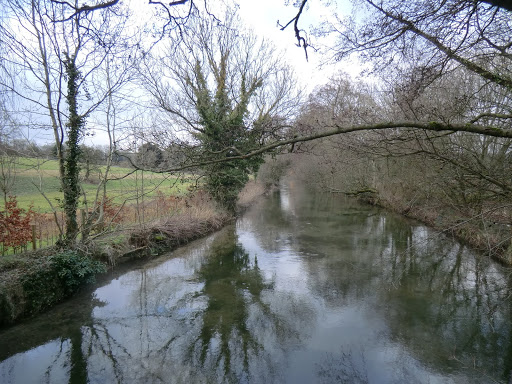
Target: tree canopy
pixel 230 92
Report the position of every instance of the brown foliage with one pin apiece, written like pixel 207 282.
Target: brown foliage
pixel 15 225
pixel 193 217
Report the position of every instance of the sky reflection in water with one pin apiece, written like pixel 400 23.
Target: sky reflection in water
pixel 303 289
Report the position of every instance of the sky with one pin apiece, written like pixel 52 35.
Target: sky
pixel 262 17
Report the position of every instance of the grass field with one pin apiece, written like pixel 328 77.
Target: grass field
pixel 134 198
pixel 35 175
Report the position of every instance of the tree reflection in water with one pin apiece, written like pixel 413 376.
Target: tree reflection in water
pixel 220 323
pixel 347 367
pixel 447 304
pixel 339 291
pixel 232 283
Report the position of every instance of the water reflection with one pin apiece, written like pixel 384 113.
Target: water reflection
pixel 231 281
pixel 206 324
pixel 450 307
pixel 49 363
pixel 234 341
pixel 212 316
pixel 305 288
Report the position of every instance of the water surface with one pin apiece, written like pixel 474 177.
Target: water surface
pixel 305 288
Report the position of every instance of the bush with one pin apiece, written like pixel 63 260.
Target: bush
pixel 75 269
pixel 58 278
pixel 15 229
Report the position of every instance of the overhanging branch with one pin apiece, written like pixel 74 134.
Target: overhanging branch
pixel 337 130
pixel 84 8
pixel 495 77
pixel 107 4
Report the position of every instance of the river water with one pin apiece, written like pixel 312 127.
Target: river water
pixel 304 288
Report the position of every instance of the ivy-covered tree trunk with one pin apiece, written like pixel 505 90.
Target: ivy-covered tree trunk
pixel 70 162
pixel 232 93
pixel 225 134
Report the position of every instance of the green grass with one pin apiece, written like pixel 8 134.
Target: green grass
pixel 32 174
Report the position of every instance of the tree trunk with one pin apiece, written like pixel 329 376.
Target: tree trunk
pixel 70 182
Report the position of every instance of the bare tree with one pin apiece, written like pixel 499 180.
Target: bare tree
pixel 8 159
pixel 227 92
pixel 435 37
pixel 54 71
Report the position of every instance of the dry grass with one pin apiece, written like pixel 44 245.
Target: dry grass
pixel 192 217
pixel 198 216
pixel 253 190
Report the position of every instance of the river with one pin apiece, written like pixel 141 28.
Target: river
pixel 304 288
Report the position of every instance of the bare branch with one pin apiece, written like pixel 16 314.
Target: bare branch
pixel 491 115
pixel 337 130
pixel 84 8
pixel 496 78
pixel 301 40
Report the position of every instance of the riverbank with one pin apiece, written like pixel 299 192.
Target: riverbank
pixel 303 286
pixel 485 232
pixel 33 282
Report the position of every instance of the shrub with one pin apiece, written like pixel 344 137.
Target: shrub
pixel 75 269
pixel 15 230
pixel 57 278
pixel 112 211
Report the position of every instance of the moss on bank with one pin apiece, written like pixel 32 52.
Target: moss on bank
pixel 44 283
